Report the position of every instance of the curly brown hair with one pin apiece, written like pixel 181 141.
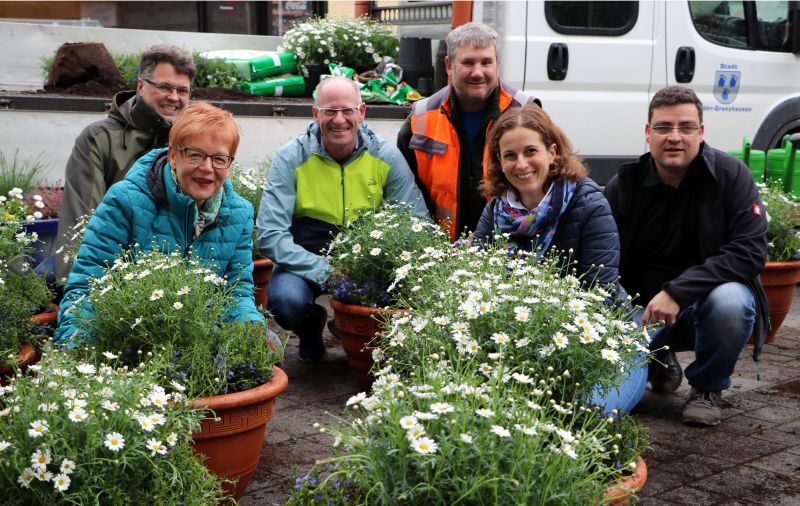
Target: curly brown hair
pixel 566 164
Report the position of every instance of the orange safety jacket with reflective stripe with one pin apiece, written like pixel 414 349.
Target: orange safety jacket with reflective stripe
pixel 436 146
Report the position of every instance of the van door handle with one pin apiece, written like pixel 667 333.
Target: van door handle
pixel 684 64
pixel 557 61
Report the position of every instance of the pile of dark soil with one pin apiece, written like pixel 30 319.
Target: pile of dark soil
pixel 84 68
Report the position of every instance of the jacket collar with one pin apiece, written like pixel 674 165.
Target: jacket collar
pixel 645 166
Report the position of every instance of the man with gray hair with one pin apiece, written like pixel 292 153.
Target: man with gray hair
pixel 444 138
pixel 320 181
pixel 138 122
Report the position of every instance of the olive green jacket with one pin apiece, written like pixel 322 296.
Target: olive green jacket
pixel 103 153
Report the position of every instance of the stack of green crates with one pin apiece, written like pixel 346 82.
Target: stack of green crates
pixel 779 164
pixel 264 71
pixel 753 158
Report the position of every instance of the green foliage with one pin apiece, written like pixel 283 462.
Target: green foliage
pixel 783 218
pixel 99 433
pixel 128 65
pixel 153 302
pixel 22 294
pixel 359 43
pixel 215 73
pixel 20 173
pixel 365 255
pixel 249 184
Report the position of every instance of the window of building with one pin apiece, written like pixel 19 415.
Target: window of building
pixel 591 18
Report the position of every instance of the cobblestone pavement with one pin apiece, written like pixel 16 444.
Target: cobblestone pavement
pixel 751 458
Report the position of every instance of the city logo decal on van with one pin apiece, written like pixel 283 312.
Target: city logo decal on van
pixel 726 85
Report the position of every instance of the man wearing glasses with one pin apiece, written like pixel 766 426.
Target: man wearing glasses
pixel 319 181
pixel 138 122
pixel 693 242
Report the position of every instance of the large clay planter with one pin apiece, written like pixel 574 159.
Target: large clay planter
pixel 232 442
pixel 619 493
pixel 357 326
pixel 779 280
pixel 262 272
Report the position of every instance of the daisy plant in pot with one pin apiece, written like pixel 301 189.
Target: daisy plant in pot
pixel 364 257
pixel 249 184
pixel 782 271
pixel 176 307
pixel 24 297
pixel 99 432
pixel 486 391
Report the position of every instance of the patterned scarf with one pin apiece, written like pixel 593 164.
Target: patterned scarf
pixel 533 230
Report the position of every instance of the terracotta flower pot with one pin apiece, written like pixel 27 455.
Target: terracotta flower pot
pixel 357 326
pixel 28 355
pixel 619 493
pixel 232 442
pixel 262 272
pixel 779 280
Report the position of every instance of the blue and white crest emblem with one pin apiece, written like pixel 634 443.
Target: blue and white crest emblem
pixel 726 85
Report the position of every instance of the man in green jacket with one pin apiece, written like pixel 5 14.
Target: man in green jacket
pixel 320 181
pixel 138 122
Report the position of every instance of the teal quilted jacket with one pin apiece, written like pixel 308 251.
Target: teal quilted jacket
pixel 146 208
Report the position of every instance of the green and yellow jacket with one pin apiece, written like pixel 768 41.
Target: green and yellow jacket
pixel 309 197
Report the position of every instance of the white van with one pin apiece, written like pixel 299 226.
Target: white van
pixel 595 65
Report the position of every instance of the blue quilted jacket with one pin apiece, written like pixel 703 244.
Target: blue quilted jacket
pixel 146 206
pixel 586 234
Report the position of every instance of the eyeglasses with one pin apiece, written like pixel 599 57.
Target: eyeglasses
pixel 331 112
pixel 198 157
pixel 167 88
pixel 684 129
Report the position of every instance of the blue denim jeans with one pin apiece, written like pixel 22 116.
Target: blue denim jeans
pixel 716 327
pixel 291 299
pixel 627 395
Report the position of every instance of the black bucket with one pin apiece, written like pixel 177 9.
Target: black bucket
pixel 415 59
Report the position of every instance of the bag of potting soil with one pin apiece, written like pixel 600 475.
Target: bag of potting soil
pixel 286 86
pixel 254 65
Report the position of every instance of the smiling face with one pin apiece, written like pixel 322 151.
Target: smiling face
pixel 673 152
pixel 525 162
pixel 201 181
pixel 474 75
pixel 166 104
pixel 339 128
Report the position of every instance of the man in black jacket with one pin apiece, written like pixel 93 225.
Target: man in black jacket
pixel 693 242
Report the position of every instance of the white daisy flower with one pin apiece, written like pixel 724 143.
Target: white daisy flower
pixel 466 438
pixel 500 431
pixel 114 441
pixel 424 445
pixel 500 338
pixel 109 355
pixel 109 405
pixel 78 415
pixel 408 421
pixel 67 466
pixel 85 368
pixel 177 305
pixel 157 294
pixel 38 428
pixel 610 355
pixel 442 408
pixel 184 290
pixel 172 439
pixel 61 482
pixel 484 412
pixel 155 446
pixel 4 445
pixel 26 477
pixel 560 340
pixel 40 459
pixel 375 252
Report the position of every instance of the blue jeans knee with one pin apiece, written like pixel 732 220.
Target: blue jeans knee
pixel 290 299
pixel 627 395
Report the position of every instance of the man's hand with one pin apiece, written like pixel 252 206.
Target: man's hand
pixel 662 309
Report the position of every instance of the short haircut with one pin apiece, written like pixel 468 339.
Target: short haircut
pixel 322 84
pixel 472 34
pixel 181 60
pixel 201 119
pixel 566 164
pixel 674 95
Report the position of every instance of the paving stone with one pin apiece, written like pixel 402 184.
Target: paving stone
pixel 777 414
pixel 688 495
pixel 694 466
pixel 782 462
pixel 746 425
pixel 751 485
pixel 715 442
